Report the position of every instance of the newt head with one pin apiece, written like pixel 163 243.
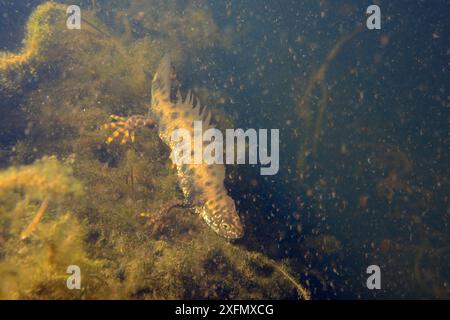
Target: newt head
pixel 222 216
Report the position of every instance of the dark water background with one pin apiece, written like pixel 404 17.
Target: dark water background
pixel 387 99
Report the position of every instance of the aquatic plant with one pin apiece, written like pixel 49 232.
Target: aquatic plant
pixel 21 188
pixel 190 27
pixel 40 30
pixel 47 43
pixel 187 260
pixel 303 109
pixel 46 177
pixel 36 250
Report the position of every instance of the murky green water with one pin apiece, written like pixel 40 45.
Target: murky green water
pixel 363 150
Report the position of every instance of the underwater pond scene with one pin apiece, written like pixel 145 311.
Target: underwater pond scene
pixel 326 122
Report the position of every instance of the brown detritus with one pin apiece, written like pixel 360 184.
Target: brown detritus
pixel 320 116
pixel 29 230
pixel 302 292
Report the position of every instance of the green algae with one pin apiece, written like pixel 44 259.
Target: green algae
pixel 32 266
pixel 44 26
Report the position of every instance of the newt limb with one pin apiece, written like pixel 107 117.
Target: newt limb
pixel 127 127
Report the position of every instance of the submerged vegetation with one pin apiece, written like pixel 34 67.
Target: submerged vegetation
pixel 119 255
pixel 44 26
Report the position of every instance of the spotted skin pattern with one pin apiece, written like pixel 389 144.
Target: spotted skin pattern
pixel 202 184
pixel 127 127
